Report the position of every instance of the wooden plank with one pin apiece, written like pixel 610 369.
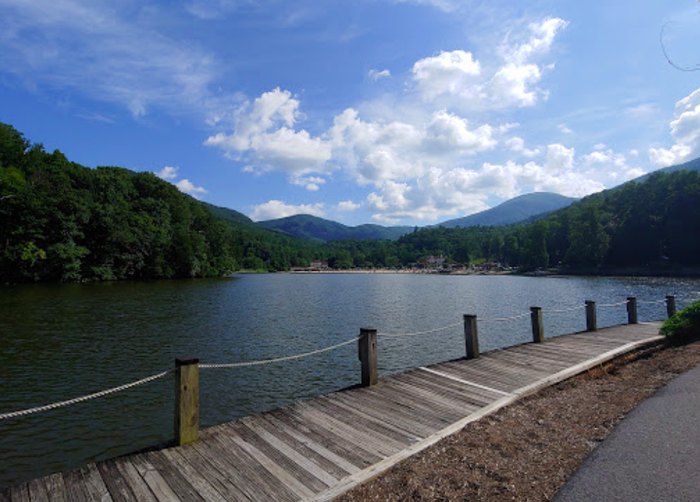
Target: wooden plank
pixel 337 444
pixel 205 458
pixel 157 483
pixel 252 473
pixel 55 487
pixel 271 466
pixel 164 475
pixel 38 491
pixel 204 490
pixel 76 489
pixel 382 443
pixel 20 493
pixel 452 390
pixel 342 463
pixel 290 466
pixel 447 407
pixel 357 415
pixel 94 484
pixel 318 419
pixel 117 486
pixel 415 430
pixel 137 484
pixel 308 463
pixel 405 407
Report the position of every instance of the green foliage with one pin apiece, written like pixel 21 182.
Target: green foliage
pixel 684 325
pixel 60 221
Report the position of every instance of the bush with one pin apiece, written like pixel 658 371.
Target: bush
pixel 684 326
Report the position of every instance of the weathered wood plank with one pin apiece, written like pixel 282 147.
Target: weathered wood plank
pixel 117 486
pixel 306 462
pixel 289 481
pixel 345 466
pixel 254 476
pixel 20 493
pixel 337 444
pixel 280 460
pixel 138 486
pixel 38 491
pixel 157 484
pixel 161 468
pixel 94 484
pixel 181 468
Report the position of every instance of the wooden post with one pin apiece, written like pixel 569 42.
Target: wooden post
pixel 471 336
pixel 671 305
pixel 631 310
pixel 186 401
pixel 537 326
pixel 591 318
pixel 367 346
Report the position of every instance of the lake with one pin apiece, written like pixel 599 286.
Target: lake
pixel 64 341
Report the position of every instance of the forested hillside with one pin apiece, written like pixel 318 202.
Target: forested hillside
pixel 60 221
pixel 652 224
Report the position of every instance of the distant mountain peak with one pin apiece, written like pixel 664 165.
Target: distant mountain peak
pixel 517 209
pixel 312 227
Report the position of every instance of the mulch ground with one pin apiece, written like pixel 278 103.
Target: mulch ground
pixel 528 450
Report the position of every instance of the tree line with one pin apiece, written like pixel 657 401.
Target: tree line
pixel 60 221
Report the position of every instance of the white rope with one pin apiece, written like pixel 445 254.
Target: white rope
pixel 396 335
pixel 499 319
pixel 61 404
pixel 605 305
pixel 655 302
pixel 561 311
pixel 278 359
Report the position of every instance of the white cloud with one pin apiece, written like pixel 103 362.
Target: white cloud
pixel 274 209
pixel 685 130
pixel 168 173
pixel 378 74
pixel 107 53
pixel 186 186
pixel 517 144
pixel 447 73
pixel 564 129
pixel 311 183
pixel 264 135
pixel 348 205
pixel 559 157
pixel 457 80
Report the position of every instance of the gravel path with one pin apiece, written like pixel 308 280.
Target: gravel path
pixel 528 450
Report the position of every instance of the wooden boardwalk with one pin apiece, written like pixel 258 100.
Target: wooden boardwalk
pixel 319 448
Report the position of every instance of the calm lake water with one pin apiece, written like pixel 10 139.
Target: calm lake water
pixel 64 341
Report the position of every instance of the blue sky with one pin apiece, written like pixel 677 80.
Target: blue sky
pixel 382 111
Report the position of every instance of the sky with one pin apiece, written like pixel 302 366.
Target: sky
pixel 393 112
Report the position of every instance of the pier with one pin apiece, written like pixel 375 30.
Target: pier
pixel 319 448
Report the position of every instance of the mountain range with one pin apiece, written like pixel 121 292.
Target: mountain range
pixel 521 208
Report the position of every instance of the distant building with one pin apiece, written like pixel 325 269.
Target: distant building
pixel 318 265
pixel 434 261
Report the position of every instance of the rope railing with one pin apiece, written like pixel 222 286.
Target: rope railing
pixel 243 364
pixel 417 333
pixel 61 404
pixel 564 310
pixel 505 319
pixel 187 372
pixel 611 305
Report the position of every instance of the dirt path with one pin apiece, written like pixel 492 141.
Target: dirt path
pixel 528 450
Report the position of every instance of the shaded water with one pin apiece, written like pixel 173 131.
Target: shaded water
pixel 63 341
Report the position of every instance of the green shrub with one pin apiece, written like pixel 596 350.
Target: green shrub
pixel 684 325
